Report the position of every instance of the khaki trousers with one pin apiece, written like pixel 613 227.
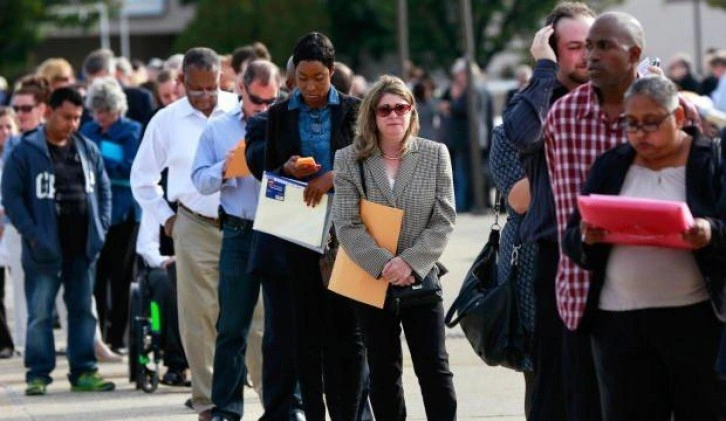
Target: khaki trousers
pixel 197 244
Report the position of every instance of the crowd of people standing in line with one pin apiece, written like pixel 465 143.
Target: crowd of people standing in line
pixel 94 175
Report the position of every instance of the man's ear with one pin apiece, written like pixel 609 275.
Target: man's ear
pixel 680 116
pixel 47 111
pixel 332 70
pixel 180 78
pixel 635 54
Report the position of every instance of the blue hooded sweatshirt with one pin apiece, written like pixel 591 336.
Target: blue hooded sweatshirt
pixel 28 185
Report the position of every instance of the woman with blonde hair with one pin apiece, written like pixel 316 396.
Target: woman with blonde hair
pixel 387 164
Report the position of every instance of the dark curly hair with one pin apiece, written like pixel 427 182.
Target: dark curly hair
pixel 314 47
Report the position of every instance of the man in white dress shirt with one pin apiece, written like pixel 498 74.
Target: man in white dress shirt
pixel 171 141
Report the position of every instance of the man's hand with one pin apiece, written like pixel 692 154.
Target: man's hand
pixel 165 264
pixel 317 188
pixel 169 225
pixel 541 48
pixel 699 235
pixel 591 234
pixel 299 172
pixel 397 272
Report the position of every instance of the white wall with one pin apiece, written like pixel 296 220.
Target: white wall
pixel 669 26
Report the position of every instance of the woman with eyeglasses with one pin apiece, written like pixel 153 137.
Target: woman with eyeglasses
pixel 389 165
pixel 654 333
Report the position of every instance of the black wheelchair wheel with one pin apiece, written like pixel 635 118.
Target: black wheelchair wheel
pixel 136 332
pixel 148 380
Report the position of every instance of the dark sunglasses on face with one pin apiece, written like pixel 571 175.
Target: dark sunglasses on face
pixel 400 109
pixel 261 101
pixel 23 108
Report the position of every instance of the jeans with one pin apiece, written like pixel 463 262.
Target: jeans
pixel 657 364
pixel 424 329
pixel 238 295
pixel 76 276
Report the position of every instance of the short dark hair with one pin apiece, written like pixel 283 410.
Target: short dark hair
pixel 242 54
pixel 342 78
pixel 264 71
pixel 314 46
pixel 569 10
pixel 202 58
pixel 61 95
pixel 98 61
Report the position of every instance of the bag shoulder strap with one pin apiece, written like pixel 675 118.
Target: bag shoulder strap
pixel 363 179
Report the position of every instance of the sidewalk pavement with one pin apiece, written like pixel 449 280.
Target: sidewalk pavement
pixel 483 392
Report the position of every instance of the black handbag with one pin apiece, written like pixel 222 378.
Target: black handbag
pixel 487 310
pixel 327 260
pixel 422 291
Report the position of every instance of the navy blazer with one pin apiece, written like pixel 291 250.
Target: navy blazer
pixel 704 197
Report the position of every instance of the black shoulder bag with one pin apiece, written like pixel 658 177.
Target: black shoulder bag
pixel 487 310
pixel 422 291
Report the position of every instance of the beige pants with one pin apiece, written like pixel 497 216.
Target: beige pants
pixel 197 244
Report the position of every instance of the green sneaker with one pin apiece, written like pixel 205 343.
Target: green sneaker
pixel 92 382
pixel 36 387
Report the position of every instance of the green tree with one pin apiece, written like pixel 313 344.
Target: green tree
pixel 22 23
pixel 227 24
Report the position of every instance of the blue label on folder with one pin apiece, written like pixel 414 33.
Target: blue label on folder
pixel 275 190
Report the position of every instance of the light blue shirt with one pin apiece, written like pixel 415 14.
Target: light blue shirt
pixel 315 126
pixel 238 196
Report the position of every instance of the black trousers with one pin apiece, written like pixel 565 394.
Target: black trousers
pixel 657 364
pixel 114 273
pixel 6 340
pixel 544 391
pixel 424 330
pixel 329 348
pixel 162 284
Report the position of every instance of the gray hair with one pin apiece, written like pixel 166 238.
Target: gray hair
pixel 263 71
pixel 201 58
pixel 106 94
pixel 174 62
pixel 124 66
pixel 99 61
pixel 658 88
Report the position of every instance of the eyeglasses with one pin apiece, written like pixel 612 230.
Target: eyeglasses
pixel 260 101
pixel 400 109
pixel 646 127
pixel 23 108
pixel 198 93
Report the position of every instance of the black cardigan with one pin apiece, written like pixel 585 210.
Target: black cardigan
pixel 704 198
pixel 283 135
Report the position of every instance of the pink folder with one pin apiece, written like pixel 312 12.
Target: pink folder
pixel 634 221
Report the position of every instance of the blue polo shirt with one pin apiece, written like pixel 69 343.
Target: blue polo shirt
pixel 315 128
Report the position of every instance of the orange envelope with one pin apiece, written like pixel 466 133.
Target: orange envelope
pixel 237 166
pixel 348 279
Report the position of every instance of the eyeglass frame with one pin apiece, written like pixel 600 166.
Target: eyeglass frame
pixel 199 93
pixel 652 126
pixel 260 101
pixel 24 109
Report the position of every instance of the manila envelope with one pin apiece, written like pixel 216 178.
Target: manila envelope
pixel 348 279
pixel 237 166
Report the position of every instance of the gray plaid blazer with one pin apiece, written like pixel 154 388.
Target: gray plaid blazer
pixel 423 189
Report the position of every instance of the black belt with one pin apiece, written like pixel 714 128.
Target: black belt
pixel 233 221
pixel 213 221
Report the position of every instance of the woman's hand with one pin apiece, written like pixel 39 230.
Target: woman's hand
pixel 317 188
pixel 397 272
pixel 299 172
pixel 699 235
pixel 591 234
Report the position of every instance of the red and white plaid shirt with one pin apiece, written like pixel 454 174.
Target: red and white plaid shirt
pixel 577 131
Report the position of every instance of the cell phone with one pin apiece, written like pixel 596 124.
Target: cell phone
pixel 646 63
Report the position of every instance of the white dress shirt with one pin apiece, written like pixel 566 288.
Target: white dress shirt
pixel 148 243
pixel 171 141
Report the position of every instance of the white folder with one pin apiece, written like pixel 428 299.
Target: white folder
pixel 282 212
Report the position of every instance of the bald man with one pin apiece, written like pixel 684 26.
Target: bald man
pixel 581 126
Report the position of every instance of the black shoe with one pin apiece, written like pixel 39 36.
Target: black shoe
pixel 176 378
pixel 6 353
pixel 120 350
pixel 188 404
pixel 224 416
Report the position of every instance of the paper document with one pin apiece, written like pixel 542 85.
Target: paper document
pixel 348 279
pixel 237 166
pixel 634 221
pixel 282 212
